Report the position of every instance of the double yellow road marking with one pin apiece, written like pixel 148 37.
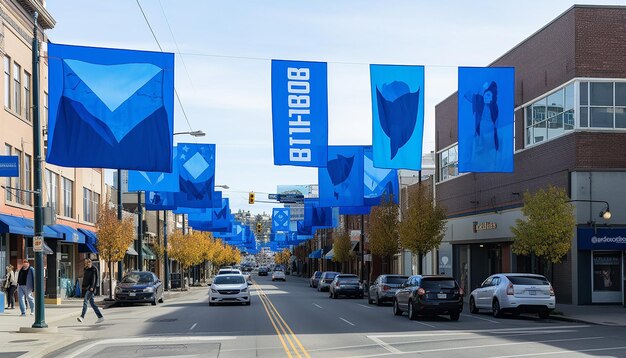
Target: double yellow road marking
pixel 292 345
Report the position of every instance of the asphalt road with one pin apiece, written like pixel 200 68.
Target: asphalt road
pixel 289 319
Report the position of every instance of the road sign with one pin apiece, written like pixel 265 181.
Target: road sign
pixel 287 198
pixel 38 244
pixel 272 196
pixel 9 166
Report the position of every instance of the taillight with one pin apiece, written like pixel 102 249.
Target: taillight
pixel 551 291
pixel 509 290
pixel 386 288
pixel 421 291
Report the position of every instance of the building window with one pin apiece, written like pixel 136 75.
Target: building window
pixel 449 163
pixel 7 81
pixel 17 88
pixel 27 99
pixel 603 104
pixel 550 116
pixel 68 190
pixel 52 185
pixel 9 195
pixel 18 181
pixel 91 203
pixel 27 180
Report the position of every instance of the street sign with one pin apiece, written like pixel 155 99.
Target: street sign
pixel 272 196
pixel 9 166
pixel 38 244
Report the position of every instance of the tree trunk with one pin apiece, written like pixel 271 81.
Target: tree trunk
pixel 110 280
pixel 420 263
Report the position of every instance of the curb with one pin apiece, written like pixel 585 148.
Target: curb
pixel 578 320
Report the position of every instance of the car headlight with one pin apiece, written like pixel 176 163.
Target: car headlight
pixel 148 289
pixel 213 290
pixel 245 289
pixel 118 289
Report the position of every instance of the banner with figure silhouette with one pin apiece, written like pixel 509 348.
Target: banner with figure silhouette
pixel 397 116
pixel 110 108
pixel 341 182
pixel 318 217
pixel 485 119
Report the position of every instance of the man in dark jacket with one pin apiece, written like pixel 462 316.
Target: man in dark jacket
pixel 90 283
pixel 26 286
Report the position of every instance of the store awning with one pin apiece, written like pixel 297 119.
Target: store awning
pixel 46 249
pixel 69 234
pixel 131 251
pixel 148 254
pixel 24 226
pixel 317 254
pixel 91 241
pixel 330 254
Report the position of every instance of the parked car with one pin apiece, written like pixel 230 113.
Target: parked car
pixel 384 288
pixel 325 280
pixel 346 285
pixel 139 287
pixel 429 295
pixel 315 279
pixel 263 271
pixel 515 293
pixel 231 288
pixel 278 274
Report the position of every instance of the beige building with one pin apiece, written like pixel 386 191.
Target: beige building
pixel 72 194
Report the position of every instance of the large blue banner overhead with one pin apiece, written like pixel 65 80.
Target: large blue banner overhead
pixel 341 182
pixel 196 169
pixel 397 116
pixel 486 111
pixel 280 219
pixel 300 113
pixel 110 108
pixel 316 216
pixel 154 181
pixel 378 182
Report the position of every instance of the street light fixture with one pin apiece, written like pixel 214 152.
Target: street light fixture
pixel 605 214
pixel 222 186
pixel 197 133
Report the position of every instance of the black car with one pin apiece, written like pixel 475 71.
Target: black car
pixel 263 271
pixel 315 279
pixel 429 295
pixel 139 287
pixel 346 285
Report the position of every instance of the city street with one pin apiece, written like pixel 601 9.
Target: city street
pixel 289 319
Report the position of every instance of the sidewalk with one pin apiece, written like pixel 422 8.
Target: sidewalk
pixel 606 315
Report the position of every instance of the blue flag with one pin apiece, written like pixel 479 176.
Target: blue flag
pixel 341 182
pixel 486 113
pixel 280 219
pixel 154 181
pixel 378 182
pixel 318 217
pixel 157 200
pixel 110 108
pixel 355 210
pixel 397 116
pixel 196 168
pixel 300 113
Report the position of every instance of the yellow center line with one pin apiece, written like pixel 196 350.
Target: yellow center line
pixel 282 341
pixel 285 335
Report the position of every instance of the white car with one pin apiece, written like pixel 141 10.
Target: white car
pixel 515 293
pixel 229 289
pixel 278 275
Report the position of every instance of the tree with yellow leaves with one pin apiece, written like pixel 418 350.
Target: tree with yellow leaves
pixel 188 249
pixel 114 237
pixel 282 258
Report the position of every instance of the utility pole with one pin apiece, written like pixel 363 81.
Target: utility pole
pixel 165 255
pixel 120 264
pixel 139 233
pixel 40 317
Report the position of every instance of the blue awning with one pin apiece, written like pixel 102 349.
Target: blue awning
pixel 69 234
pixel 23 226
pixel 330 254
pixel 91 240
pixel 317 254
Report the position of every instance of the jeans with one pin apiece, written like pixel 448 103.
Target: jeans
pixel 25 291
pixel 89 298
pixel 11 296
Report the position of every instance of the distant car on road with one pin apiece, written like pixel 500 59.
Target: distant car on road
pixel 230 288
pixel 325 280
pixel 429 295
pixel 346 285
pixel 263 271
pixel 139 287
pixel 515 293
pixel 315 279
pixel 278 274
pixel 384 288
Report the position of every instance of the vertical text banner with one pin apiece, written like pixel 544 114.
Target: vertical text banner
pixel 300 113
pixel 486 111
pixel 397 116
pixel 341 182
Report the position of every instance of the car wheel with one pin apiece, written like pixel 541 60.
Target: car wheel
pixel 495 308
pixel 412 314
pixel 396 309
pixel 473 308
pixel 211 304
pixel 161 299
pixel 154 302
pixel 454 316
pixel 544 314
pixel 378 303
pixel 361 296
pixel 369 299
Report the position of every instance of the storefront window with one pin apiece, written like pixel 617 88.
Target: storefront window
pixel 607 271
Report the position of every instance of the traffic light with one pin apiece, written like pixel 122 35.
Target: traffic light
pixel 259 226
pixel 251 198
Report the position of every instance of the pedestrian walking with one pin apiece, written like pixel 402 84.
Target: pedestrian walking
pixel 25 287
pixel 10 286
pixel 89 286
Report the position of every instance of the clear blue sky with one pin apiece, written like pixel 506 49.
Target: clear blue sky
pixel 224 50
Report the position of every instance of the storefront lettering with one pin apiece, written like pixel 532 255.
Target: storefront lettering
pixel 484 226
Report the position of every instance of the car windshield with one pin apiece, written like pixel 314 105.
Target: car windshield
pixel 228 280
pixel 396 280
pixel 331 275
pixel 137 278
pixel 528 280
pixel 226 272
pixel 437 283
pixel 349 279
pixel 318 274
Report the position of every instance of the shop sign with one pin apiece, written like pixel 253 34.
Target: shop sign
pixel 38 244
pixel 602 239
pixel 482 226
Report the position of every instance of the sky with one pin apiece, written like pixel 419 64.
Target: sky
pixel 224 51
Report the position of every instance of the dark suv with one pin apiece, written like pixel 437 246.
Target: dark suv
pixel 346 285
pixel 429 295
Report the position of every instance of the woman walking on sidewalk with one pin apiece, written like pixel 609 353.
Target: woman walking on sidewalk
pixel 90 283
pixel 10 285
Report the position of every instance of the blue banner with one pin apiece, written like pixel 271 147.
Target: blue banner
pixel 110 108
pixel 341 182
pixel 318 217
pixel 157 200
pixel 355 210
pixel 397 116
pixel 196 169
pixel 280 219
pixel 300 113
pixel 154 181
pixel 378 182
pixel 304 230
pixel 486 111
pixel 9 166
